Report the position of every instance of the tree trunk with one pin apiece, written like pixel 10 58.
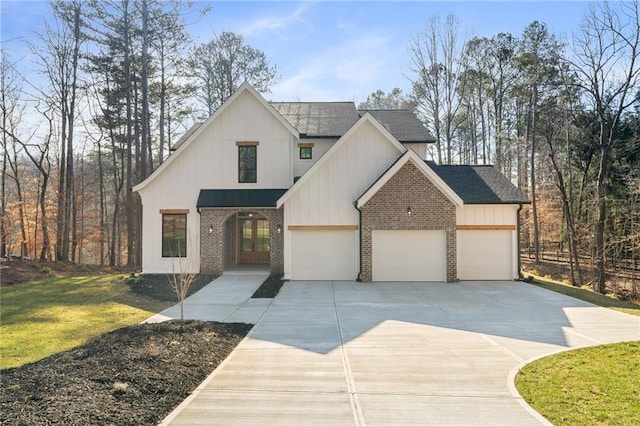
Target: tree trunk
pixel 599 283
pixel 534 208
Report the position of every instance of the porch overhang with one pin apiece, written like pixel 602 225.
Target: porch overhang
pixel 239 198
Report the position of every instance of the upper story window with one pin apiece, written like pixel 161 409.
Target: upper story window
pixel 247 162
pixel 174 233
pixel 306 151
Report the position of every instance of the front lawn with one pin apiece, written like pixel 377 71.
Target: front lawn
pixel 590 386
pixel 43 317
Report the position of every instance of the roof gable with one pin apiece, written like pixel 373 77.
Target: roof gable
pixel 244 88
pixel 412 157
pixel 367 118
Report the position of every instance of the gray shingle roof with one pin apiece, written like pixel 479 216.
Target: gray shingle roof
pixel 480 184
pixel 402 124
pixel 319 119
pixel 239 197
pixel 334 119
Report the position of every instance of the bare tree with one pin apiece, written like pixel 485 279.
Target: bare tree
pixel 59 54
pixel 182 275
pixel 436 61
pixel 606 60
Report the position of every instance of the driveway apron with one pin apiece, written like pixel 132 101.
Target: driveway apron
pixel 396 353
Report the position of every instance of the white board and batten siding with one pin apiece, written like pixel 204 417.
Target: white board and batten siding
pixel 487 242
pixel 210 161
pixel 320 147
pixel 409 255
pixel 324 202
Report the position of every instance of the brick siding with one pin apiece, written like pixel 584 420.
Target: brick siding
pixel 387 210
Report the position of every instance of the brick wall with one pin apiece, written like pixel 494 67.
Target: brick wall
pixel 387 210
pixel 218 248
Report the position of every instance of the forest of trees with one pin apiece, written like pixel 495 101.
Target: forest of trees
pixel 560 118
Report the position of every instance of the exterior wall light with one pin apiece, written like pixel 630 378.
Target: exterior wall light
pixel 278 229
pixel 409 211
pixel 211 229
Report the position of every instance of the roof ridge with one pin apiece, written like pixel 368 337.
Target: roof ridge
pixel 312 102
pixel 461 165
pixel 385 109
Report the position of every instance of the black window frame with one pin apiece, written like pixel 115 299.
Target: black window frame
pixel 247 173
pixel 174 246
pixel 310 150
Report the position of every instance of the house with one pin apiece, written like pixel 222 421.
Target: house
pixel 322 191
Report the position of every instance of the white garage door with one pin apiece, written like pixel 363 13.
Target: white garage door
pixel 323 255
pixel 409 256
pixel 485 255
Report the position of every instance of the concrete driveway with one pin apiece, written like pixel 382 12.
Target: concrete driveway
pixel 396 353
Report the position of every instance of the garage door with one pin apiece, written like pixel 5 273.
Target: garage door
pixel 408 256
pixel 323 255
pixel 485 255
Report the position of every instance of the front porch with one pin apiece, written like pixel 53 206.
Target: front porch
pixel 241 239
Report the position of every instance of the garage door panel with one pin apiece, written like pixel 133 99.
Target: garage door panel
pixel 323 255
pixel 484 255
pixel 408 255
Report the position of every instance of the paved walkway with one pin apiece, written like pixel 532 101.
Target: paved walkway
pixel 397 353
pixel 225 299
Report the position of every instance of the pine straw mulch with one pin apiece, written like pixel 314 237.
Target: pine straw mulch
pixel 132 376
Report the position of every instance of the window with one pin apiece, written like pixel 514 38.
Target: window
pixel 247 163
pixel 306 152
pixel 174 235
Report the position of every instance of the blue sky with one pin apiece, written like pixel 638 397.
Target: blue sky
pixel 333 50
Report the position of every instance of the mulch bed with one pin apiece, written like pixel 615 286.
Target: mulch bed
pixel 132 376
pixel 269 288
pixel 156 286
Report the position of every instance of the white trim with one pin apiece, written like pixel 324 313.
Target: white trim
pixel 366 118
pixel 245 87
pixel 410 156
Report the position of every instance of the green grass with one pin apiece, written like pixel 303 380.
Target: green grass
pixel 591 386
pixel 607 301
pixel 43 317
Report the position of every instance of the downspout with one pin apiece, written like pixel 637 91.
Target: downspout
pixel 520 276
pixel 355 204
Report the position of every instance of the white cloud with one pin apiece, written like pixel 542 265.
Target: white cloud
pixel 350 70
pixel 276 23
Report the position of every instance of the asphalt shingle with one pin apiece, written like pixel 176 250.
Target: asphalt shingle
pixel 479 184
pixel 319 119
pixel 402 124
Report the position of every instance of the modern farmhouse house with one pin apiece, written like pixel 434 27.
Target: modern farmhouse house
pixel 322 191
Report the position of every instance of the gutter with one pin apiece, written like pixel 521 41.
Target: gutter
pixel 520 276
pixel 355 204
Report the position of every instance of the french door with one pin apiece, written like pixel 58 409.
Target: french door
pixel 253 240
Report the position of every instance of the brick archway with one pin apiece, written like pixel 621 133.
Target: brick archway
pixel 217 238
